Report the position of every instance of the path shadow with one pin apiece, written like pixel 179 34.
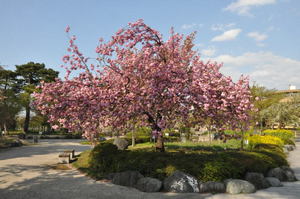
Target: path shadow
pixel 43 148
pixel 70 184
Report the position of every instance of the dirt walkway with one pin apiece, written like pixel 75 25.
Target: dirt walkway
pixel 26 173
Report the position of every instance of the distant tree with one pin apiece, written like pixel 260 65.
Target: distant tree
pixel 9 102
pixel 263 98
pixel 30 75
pixel 282 113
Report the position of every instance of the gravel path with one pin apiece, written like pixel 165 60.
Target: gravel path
pixel 26 173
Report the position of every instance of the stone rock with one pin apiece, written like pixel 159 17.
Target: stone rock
pixel 127 178
pixel 180 182
pixel 283 174
pixel 148 184
pixel 257 179
pixel 110 176
pixel 212 187
pixel 274 182
pixel 122 144
pixel 290 175
pixel 289 147
pixel 277 173
pixel 236 186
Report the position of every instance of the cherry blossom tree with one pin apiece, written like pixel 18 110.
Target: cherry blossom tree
pixel 141 77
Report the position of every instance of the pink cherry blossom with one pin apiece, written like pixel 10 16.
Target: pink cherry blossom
pixel 141 77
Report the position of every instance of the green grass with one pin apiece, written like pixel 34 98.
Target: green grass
pixel 190 146
pixel 85 142
pixel 204 161
pixel 82 162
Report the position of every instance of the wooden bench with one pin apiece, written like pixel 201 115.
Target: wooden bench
pixel 64 158
pixel 71 152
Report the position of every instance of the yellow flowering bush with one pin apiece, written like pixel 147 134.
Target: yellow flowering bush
pixel 287 136
pixel 264 139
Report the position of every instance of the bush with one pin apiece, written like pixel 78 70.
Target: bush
pixel 141 135
pixel 232 132
pixel 172 139
pixel 286 135
pixel 268 147
pixel 139 132
pixel 206 166
pixel 266 139
pixel 102 158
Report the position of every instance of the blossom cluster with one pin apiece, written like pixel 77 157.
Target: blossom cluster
pixel 140 77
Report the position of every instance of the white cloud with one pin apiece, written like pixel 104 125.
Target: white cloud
pixel 257 36
pixel 260 44
pixel 227 35
pixel 263 67
pixel 210 51
pixel 242 7
pixel 191 26
pixel 222 27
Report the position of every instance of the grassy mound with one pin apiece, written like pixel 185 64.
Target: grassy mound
pixel 206 165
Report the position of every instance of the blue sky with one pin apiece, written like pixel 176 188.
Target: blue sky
pixel 259 38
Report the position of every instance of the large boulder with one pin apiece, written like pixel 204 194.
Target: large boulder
pixel 277 173
pixel 180 182
pixel 127 178
pixel 290 175
pixel 121 143
pixel 283 174
pixel 148 184
pixel 274 182
pixel 236 186
pixel 212 187
pixel 257 179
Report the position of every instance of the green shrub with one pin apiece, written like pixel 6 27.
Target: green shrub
pixel 232 132
pixel 139 132
pixel 171 139
pixel 286 135
pixel 206 166
pixel 102 158
pixel 268 147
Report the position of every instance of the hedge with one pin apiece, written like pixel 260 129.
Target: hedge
pixel 264 139
pixel 286 135
pixel 206 166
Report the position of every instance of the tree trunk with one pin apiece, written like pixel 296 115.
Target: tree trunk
pixel 27 119
pixel 160 146
pixel 132 139
pixel 242 141
pixel 154 126
pixel 5 129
